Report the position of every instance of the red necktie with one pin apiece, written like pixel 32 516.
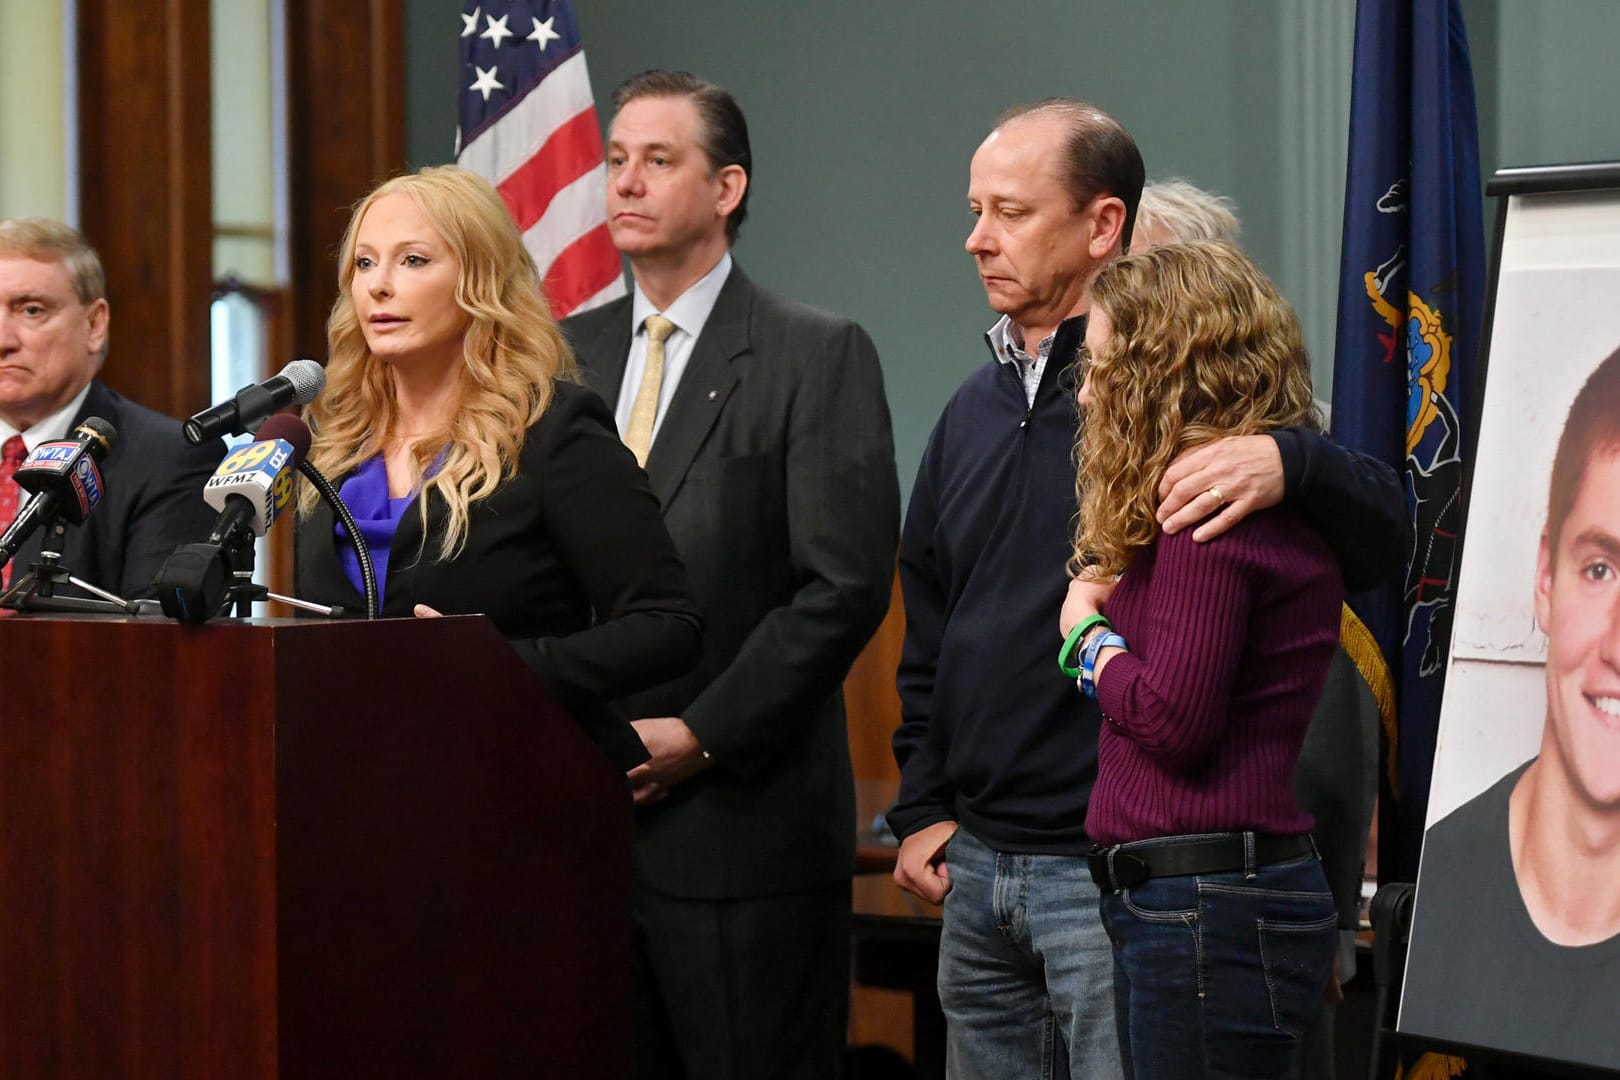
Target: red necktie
pixel 11 455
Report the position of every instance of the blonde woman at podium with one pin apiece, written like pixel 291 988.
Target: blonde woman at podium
pixel 482 477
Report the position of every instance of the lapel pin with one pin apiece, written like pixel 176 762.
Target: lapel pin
pixel 713 394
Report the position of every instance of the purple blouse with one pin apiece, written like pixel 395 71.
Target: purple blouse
pixel 366 494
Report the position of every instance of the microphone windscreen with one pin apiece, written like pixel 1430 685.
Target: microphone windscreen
pixel 291 429
pixel 308 379
pixel 104 433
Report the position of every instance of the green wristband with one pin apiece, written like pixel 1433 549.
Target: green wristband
pixel 1080 630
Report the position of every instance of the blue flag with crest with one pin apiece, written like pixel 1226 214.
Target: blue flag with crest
pixel 1411 296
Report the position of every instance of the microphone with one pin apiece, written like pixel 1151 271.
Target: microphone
pixel 65 481
pixel 255 482
pixel 249 489
pixel 299 383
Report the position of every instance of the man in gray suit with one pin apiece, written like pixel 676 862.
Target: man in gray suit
pixel 765 433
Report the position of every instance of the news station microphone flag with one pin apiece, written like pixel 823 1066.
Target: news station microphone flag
pixel 250 488
pixel 64 482
pixel 255 482
pixel 528 126
pixel 1411 296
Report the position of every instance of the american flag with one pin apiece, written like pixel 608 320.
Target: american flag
pixel 528 125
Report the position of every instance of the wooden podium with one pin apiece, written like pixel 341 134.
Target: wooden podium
pixel 288 848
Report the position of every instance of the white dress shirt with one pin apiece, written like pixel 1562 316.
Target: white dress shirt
pixel 689 313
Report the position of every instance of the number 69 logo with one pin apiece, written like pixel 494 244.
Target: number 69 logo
pixel 245 457
pixel 283 490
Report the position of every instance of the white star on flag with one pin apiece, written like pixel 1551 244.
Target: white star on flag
pixel 543 33
pixel 497 29
pixel 486 83
pixel 469 23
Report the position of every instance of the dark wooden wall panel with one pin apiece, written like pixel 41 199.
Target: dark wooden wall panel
pixel 146 190
pixel 872 702
pixel 145 171
pixel 346 127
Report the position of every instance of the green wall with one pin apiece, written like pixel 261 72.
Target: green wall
pixel 864 116
pixel 1556 100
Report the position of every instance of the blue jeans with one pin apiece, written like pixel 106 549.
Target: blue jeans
pixel 1216 975
pixel 1025 975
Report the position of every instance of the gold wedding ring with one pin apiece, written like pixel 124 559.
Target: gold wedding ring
pixel 1220 500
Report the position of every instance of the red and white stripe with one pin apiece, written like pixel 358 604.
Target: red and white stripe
pixel 545 158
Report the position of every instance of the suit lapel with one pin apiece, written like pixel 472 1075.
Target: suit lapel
pixel 97 402
pixel 317 569
pixel 407 554
pixel 604 353
pixel 705 385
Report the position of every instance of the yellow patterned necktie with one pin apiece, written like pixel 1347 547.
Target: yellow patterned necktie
pixel 638 433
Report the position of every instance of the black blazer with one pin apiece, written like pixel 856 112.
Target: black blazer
pixel 775 469
pixel 576 531
pixel 152 504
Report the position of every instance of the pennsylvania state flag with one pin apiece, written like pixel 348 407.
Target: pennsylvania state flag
pixel 1411 296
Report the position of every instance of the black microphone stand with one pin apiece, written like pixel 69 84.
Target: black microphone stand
pixel 203 580
pixel 36 590
pixel 239 561
pixel 200 581
pixel 245 592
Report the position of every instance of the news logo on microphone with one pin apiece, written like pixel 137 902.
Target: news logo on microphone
pixel 260 472
pixel 59 464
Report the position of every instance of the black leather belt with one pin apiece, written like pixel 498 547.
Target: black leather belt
pixel 1125 866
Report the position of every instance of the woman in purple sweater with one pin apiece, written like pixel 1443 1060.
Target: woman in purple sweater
pixel 1207 660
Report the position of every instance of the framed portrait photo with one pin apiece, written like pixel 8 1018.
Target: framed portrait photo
pixel 1515 940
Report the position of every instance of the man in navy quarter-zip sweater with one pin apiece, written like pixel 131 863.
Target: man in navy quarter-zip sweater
pixel 997 750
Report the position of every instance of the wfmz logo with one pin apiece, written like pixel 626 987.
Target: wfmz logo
pixel 258 470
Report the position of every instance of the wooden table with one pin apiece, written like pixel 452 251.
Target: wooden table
pixel 875 845
pixel 895 936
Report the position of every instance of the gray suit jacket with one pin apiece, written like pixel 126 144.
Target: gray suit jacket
pixel 774 467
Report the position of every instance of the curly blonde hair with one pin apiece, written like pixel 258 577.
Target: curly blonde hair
pixel 1203 346
pixel 512 351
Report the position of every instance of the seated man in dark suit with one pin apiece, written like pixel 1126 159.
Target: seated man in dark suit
pixel 53 336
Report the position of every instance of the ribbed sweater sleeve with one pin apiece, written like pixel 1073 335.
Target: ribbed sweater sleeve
pixel 1229 643
pixel 1197 612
